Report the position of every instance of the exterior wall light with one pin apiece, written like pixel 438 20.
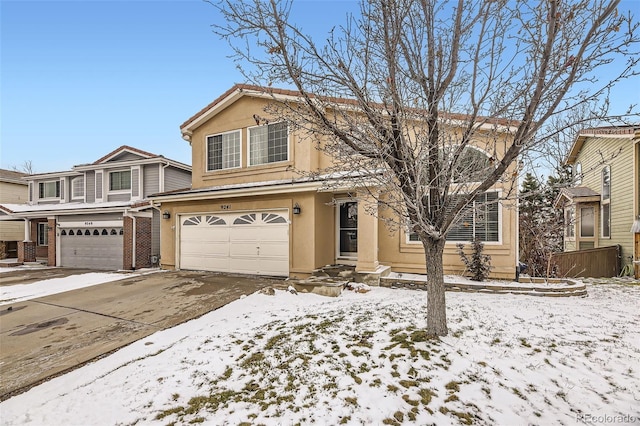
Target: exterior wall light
pixel 296 208
pixel 166 214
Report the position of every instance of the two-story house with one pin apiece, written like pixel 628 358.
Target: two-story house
pixel 601 208
pixel 97 215
pixel 250 211
pixel 12 190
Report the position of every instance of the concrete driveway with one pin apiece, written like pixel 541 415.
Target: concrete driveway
pixel 48 336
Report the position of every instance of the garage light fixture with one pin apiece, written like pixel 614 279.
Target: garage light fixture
pixel 166 214
pixel 296 208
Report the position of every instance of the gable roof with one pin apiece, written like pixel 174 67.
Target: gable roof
pixel 631 131
pixel 125 148
pixel 240 90
pixel 12 176
pixel 576 194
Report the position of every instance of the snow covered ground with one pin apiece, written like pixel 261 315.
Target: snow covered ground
pixel 362 359
pixel 21 292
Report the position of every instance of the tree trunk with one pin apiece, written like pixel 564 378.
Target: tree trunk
pixel 436 305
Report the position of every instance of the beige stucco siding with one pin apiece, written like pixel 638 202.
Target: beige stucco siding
pixel 404 256
pixel 309 247
pixel 303 154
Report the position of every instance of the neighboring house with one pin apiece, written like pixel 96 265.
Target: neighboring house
pixel 12 190
pixel 97 215
pixel 600 209
pixel 249 211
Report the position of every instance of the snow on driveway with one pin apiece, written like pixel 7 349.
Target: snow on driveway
pixel 362 359
pixel 21 292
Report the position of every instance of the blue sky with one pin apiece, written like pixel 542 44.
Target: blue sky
pixel 80 78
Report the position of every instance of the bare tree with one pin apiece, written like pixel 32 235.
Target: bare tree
pixel 404 90
pixel 25 167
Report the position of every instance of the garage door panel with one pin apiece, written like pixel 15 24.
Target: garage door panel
pixel 274 233
pixel 272 267
pixel 271 249
pixel 91 251
pixel 245 249
pixel 248 243
pixel 206 263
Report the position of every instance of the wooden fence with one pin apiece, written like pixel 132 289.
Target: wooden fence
pixel 597 262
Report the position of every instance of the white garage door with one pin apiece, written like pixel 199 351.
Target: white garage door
pixel 93 248
pixel 248 243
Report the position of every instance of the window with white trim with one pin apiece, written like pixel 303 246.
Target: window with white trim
pixel 570 222
pixel 77 188
pixel 587 222
pixel 481 221
pixel 43 234
pixel 605 203
pixel 223 151
pixel 577 173
pixel 120 180
pixel 268 144
pixel 49 189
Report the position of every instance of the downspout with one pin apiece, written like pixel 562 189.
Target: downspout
pixel 161 183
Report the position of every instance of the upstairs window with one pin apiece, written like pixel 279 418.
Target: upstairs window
pixel 605 202
pixel 77 188
pixel 49 189
pixel 268 144
pixel 120 181
pixel 223 151
pixel 577 174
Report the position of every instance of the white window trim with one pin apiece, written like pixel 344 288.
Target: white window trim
pixel 206 149
pixel 571 209
pixel 407 232
pixel 593 209
pixel 118 191
pixel 84 188
pixel 50 198
pixel 337 230
pixel 43 229
pixel 249 146
pixel 605 202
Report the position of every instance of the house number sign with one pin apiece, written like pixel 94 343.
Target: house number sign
pixel 225 207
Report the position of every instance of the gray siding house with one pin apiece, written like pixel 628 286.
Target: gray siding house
pixel 97 215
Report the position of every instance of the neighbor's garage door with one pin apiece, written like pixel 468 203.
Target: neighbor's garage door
pixel 247 243
pixel 93 248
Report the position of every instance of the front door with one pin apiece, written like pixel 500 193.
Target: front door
pixel 348 230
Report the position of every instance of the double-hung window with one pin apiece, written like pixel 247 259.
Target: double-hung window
pixel 605 202
pixel 268 144
pixel 481 221
pixel 77 188
pixel 223 151
pixel 120 181
pixel 49 189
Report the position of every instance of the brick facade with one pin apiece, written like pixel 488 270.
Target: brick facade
pixel 51 249
pixel 142 243
pixel 26 251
